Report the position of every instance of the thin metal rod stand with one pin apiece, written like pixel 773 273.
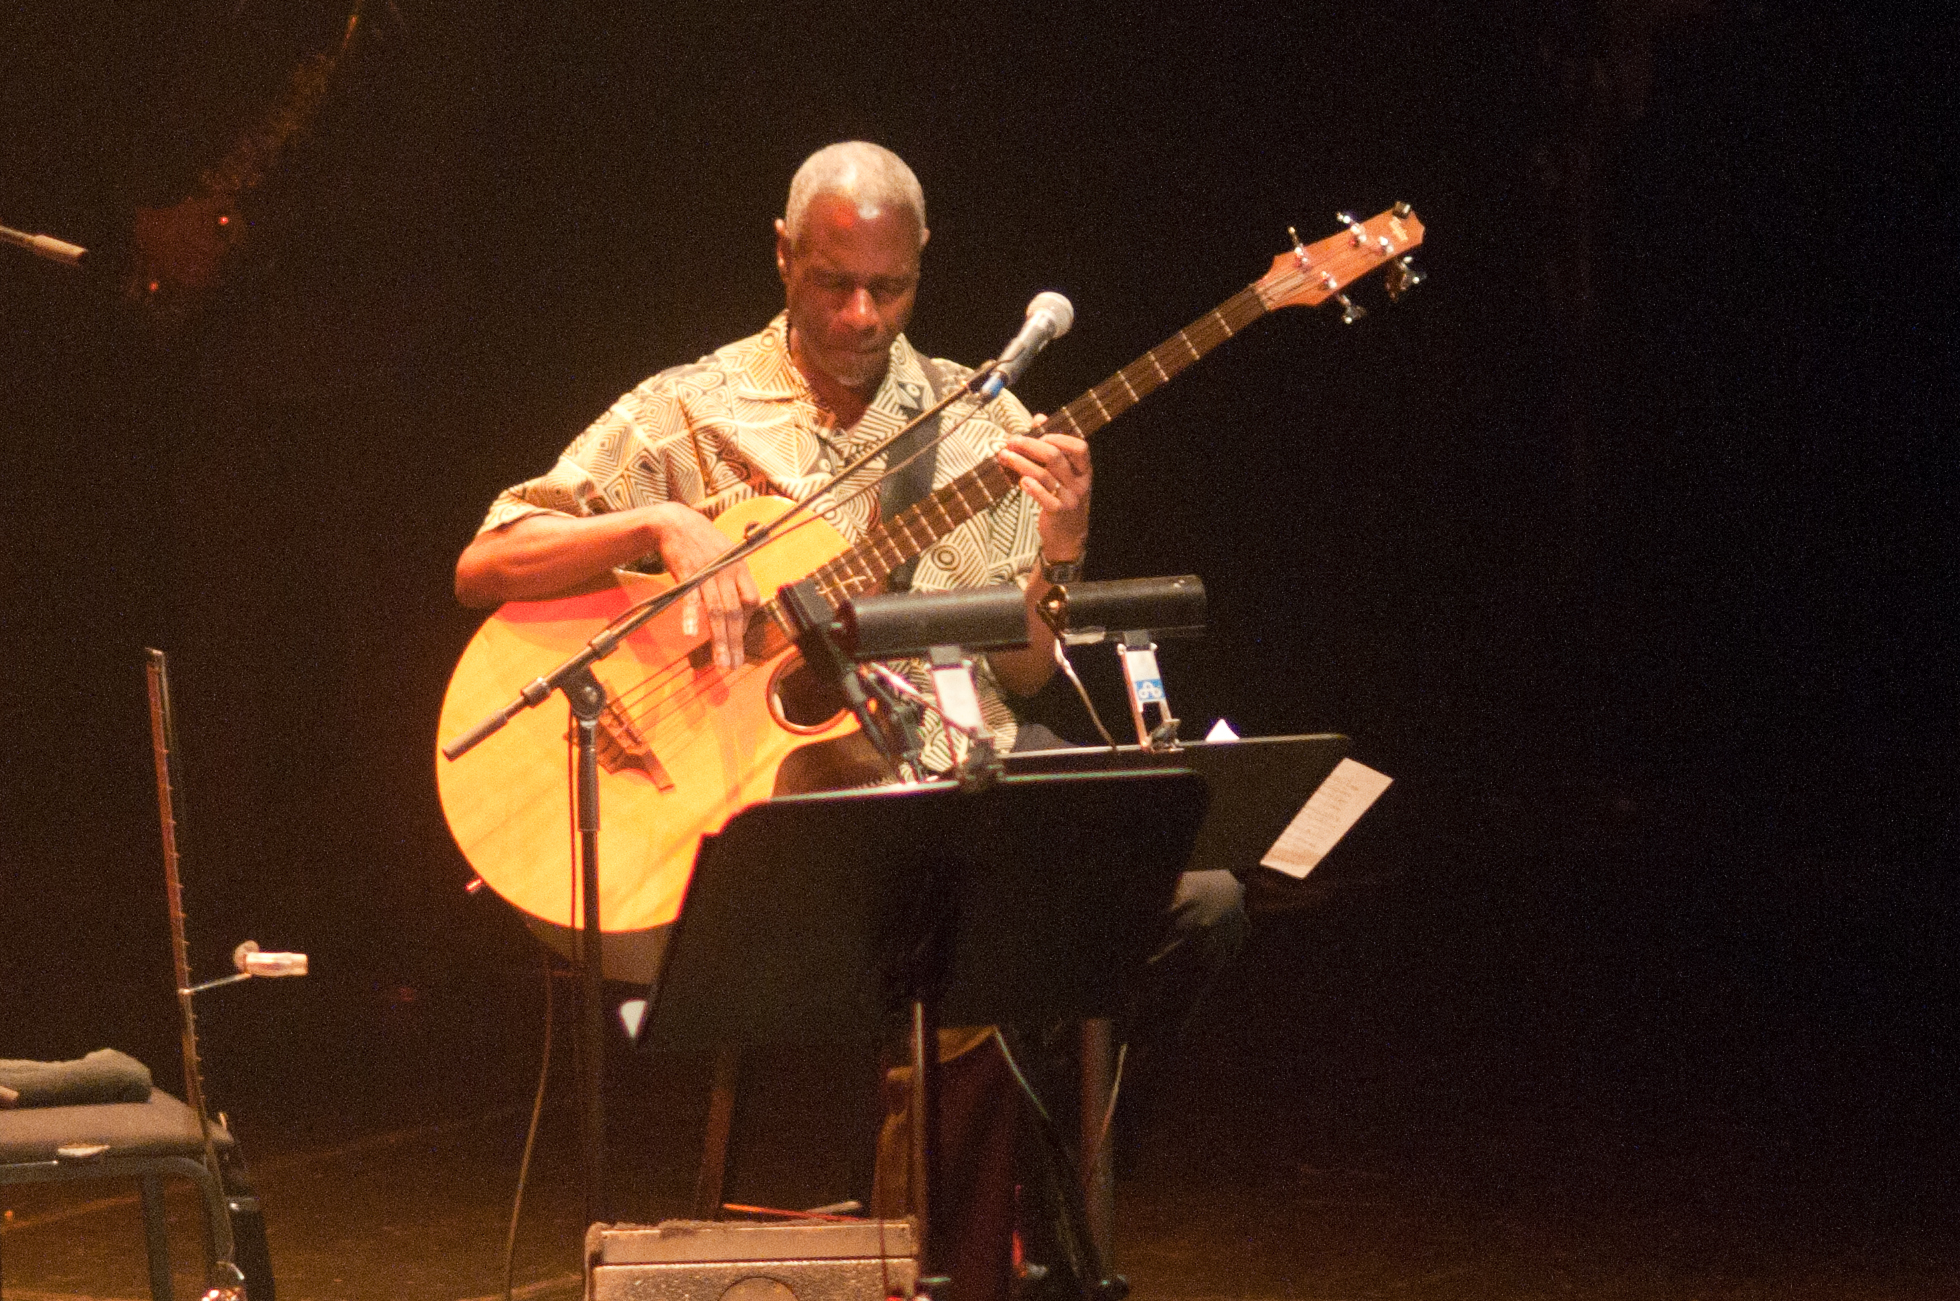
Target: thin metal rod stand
pixel 588 700
pixel 925 1133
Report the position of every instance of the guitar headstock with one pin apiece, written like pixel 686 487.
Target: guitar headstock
pixel 1310 275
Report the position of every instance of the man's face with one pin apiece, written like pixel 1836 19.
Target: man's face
pixel 849 283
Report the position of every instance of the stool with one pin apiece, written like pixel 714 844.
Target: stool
pixel 123 1140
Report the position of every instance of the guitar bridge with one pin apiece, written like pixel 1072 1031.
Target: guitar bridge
pixel 623 748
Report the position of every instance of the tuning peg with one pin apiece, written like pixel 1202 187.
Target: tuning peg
pixel 1351 311
pixel 1359 231
pixel 1300 253
pixel 1402 277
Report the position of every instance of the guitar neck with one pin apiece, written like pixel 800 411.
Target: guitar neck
pixel 1158 367
pixel 1307 276
pixel 911 531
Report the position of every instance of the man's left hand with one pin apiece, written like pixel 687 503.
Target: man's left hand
pixel 1055 471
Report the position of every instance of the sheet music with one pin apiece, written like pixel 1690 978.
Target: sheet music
pixel 1335 805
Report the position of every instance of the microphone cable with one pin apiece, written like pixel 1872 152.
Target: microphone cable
pixel 530 1140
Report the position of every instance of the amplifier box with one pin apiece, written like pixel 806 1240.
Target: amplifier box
pixel 704 1260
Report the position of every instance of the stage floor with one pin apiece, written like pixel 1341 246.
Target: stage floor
pixel 1574 1106
pixel 416 1211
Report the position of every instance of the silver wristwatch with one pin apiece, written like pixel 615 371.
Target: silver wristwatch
pixel 1061 571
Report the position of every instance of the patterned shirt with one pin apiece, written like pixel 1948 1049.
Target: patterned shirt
pixel 743 422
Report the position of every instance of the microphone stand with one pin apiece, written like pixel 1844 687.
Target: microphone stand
pixel 811 615
pixel 586 698
pixel 980 766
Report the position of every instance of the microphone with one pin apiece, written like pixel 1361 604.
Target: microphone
pixel 250 962
pixel 1049 317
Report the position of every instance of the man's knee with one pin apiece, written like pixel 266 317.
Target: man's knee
pixel 1208 908
pixel 1205 930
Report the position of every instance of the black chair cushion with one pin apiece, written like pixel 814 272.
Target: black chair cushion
pixel 163 1126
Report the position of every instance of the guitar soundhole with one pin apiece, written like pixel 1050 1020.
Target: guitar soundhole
pixel 800 700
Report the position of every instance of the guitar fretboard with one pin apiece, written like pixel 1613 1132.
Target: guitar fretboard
pixel 911 531
pixel 1159 366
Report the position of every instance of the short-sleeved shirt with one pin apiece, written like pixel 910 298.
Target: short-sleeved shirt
pixel 743 422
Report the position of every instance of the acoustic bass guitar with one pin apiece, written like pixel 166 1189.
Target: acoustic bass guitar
pixel 685 745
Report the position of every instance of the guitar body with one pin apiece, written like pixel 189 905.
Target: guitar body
pixel 684 746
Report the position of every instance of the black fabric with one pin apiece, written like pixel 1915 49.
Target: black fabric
pixel 1039 736
pixel 910 484
pixel 104 1075
pixel 162 1126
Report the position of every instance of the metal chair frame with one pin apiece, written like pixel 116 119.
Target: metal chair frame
pixel 172 1153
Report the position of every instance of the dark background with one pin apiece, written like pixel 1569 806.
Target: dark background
pixel 1622 544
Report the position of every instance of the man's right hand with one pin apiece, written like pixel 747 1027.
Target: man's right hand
pixel 689 542
pixel 548 554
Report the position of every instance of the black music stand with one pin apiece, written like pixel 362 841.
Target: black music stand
pixel 1257 784
pixel 822 918
pixel 1257 787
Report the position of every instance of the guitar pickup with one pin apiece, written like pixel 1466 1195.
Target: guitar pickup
pixel 622 747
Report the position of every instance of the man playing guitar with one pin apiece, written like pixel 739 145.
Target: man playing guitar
pixel 777 414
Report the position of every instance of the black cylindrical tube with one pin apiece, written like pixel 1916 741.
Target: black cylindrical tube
pixel 1164 607
pixel 897 624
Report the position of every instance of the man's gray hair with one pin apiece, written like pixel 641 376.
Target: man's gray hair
pixel 869 175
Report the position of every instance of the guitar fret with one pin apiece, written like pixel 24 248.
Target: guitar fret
pixel 826 587
pixel 1195 354
pixel 1134 395
pixel 1173 364
pixel 1081 423
pixel 1100 408
pixel 1163 376
pixel 914 542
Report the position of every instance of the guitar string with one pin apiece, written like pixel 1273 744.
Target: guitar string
pixel 843 560
pixel 850 574
pixel 839 576
pixel 633 702
pixel 843 580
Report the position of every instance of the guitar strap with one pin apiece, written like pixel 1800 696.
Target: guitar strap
pixel 910 485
